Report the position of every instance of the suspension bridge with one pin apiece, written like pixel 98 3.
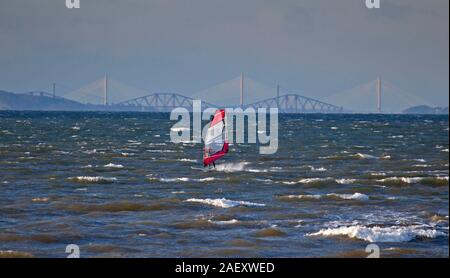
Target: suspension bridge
pixel 376 96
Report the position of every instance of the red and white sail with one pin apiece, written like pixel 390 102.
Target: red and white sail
pixel 216 143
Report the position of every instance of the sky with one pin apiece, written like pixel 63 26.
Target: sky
pixel 317 47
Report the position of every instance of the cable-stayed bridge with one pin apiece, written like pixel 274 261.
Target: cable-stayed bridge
pixel 377 96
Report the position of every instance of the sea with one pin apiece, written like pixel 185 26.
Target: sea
pixel 113 184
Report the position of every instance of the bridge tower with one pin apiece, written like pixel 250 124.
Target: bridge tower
pixel 379 95
pixel 242 90
pixel 278 96
pixel 105 90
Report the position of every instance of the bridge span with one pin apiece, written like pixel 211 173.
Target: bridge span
pixel 289 103
pixel 109 94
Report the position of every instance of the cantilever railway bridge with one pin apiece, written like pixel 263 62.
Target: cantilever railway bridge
pixel 289 103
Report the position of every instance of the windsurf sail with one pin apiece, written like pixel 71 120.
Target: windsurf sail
pixel 216 143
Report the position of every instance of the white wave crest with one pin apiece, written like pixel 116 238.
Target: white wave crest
pixel 320 169
pixel 224 203
pixel 422 165
pixel 315 196
pixel 308 181
pixel 289 182
pixel 94 179
pixel 365 156
pixel 160 151
pixel 188 160
pixel 381 234
pixel 206 179
pixel 257 170
pixel 112 165
pixel 182 179
pixel 314 180
pixel 402 179
pixel 224 222
pixel 356 196
pixel 232 167
pixel 345 181
pixel 411 180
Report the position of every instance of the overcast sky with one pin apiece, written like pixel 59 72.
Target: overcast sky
pixel 320 47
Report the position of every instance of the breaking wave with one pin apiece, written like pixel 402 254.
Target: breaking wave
pixel 313 169
pixel 381 234
pixel 354 156
pixel 257 170
pixel 365 156
pixel 356 196
pixel 183 179
pixel 232 167
pixel 224 203
pixel 206 179
pixel 112 165
pixel 414 180
pixel 188 160
pixel 345 181
pixel 85 179
pixel 325 180
pixel 224 222
pixel 315 180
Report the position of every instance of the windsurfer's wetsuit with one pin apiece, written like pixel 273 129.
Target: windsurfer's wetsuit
pixel 213 163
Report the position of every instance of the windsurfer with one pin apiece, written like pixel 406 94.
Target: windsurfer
pixel 216 145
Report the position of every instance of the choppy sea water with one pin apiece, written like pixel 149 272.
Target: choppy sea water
pixel 115 185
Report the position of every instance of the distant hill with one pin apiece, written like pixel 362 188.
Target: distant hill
pixel 12 101
pixel 425 109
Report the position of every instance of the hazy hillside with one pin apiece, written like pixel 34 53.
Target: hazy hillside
pixel 11 101
pixel 425 109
